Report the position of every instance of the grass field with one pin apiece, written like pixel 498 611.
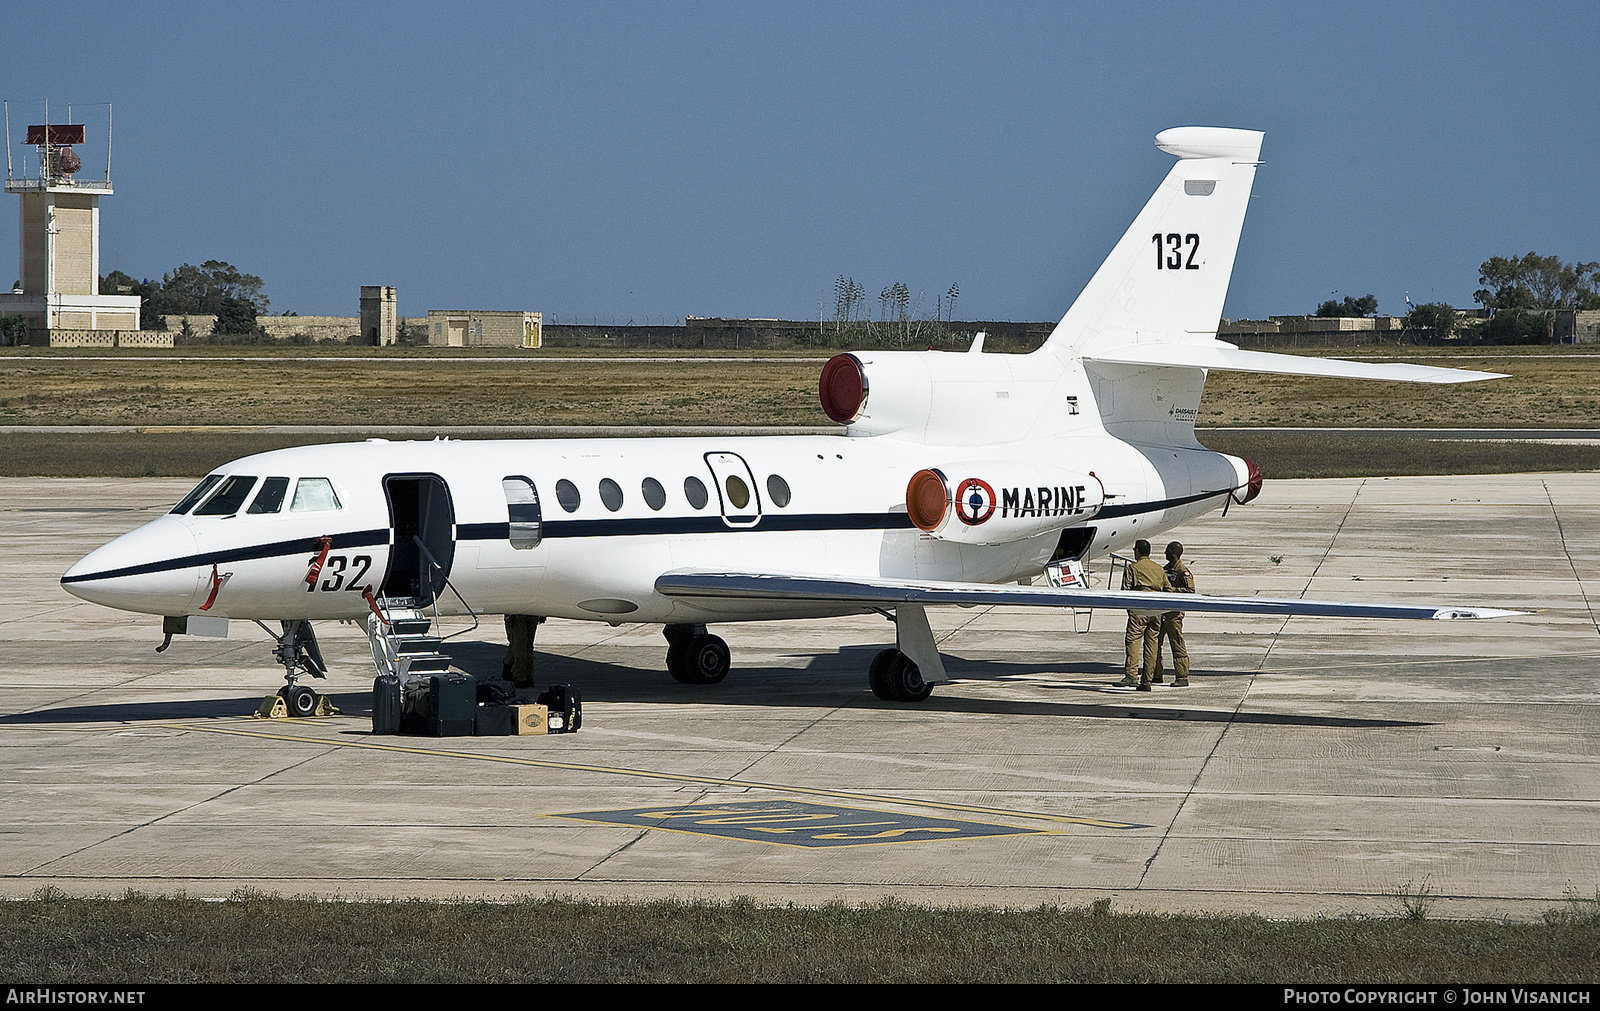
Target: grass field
pixel 250 937
pixel 1549 387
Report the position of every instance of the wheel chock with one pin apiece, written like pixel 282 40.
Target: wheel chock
pixel 272 708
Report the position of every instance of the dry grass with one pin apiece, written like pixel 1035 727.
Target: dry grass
pixel 207 387
pixel 1549 387
pixel 148 940
pixel 374 390
pixel 1339 454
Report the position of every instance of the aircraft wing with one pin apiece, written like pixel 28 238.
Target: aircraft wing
pixel 1228 358
pixel 892 592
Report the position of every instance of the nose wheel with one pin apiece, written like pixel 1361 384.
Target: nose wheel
pixel 301 700
pixel 299 654
pixel 695 656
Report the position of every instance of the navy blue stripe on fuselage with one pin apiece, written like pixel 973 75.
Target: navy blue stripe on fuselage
pixel 647 526
pixel 631 527
pixel 252 552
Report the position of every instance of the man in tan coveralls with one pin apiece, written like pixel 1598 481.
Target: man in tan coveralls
pixel 1182 581
pixel 1144 630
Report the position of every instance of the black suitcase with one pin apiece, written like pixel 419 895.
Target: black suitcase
pixel 455 704
pixel 566 708
pixel 386 704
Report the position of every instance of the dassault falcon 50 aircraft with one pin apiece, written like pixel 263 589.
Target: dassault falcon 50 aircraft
pixel 958 478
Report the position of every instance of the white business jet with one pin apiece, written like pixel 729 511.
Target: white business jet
pixel 958 479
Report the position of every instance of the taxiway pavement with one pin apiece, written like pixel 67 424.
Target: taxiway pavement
pixel 1316 766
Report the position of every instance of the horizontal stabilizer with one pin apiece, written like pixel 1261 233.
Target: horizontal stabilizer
pixel 890 592
pixel 1228 358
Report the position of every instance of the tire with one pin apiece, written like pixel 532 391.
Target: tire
pixel 300 699
pixel 678 662
pixel 709 659
pixel 878 674
pixel 905 679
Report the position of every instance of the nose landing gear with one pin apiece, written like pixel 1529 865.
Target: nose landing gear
pixel 299 654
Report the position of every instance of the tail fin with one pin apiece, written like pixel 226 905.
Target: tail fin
pixel 1166 279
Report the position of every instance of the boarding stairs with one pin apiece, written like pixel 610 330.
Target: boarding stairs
pixel 403 645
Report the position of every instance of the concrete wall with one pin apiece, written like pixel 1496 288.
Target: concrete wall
pixel 59 338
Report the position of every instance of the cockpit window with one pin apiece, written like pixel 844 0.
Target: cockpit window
pixel 187 502
pixel 270 498
pixel 229 496
pixel 312 494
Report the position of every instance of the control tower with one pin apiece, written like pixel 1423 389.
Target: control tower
pixel 60 235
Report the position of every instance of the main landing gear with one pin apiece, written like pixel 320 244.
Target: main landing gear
pixel 895 677
pixel 695 656
pixel 297 651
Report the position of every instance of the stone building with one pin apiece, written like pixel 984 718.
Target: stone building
pixel 469 328
pixel 59 289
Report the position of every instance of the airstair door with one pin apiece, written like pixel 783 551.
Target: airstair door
pixel 736 489
pixel 422 537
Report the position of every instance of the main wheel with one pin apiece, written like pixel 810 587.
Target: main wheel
pixel 708 659
pixel 300 700
pixel 678 662
pixel 905 681
pixel 878 674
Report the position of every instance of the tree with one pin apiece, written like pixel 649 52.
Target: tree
pixel 1366 305
pixel 1518 326
pixel 1436 319
pixel 13 331
pixel 209 289
pixel 850 295
pixel 1537 282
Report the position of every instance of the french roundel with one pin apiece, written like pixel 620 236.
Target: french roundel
pixel 974 501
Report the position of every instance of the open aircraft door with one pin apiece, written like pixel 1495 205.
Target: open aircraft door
pixel 422 536
pixel 736 489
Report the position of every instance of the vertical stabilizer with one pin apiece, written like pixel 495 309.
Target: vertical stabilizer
pixel 1167 278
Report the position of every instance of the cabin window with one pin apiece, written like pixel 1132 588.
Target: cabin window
pixel 610 494
pixel 777 490
pixel 187 502
pixel 738 491
pixel 313 494
pixel 655 496
pixel 522 508
pixel 230 495
pixel 567 495
pixel 695 491
pixel 270 498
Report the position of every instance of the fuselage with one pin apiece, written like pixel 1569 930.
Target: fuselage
pixel 582 528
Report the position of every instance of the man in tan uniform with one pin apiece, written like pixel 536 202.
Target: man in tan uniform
pixel 1144 630
pixel 1182 581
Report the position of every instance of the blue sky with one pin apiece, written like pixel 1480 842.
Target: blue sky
pixel 649 160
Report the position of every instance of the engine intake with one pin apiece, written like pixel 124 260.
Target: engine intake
pixel 993 503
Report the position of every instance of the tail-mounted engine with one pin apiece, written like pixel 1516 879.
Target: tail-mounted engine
pixel 937 396
pixel 993 503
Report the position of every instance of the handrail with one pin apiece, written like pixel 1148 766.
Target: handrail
pixel 435 563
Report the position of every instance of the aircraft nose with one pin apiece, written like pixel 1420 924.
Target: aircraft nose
pixel 153 570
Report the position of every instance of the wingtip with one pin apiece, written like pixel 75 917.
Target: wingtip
pixel 1474 613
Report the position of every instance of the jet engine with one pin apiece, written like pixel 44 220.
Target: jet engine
pixel 993 503
pixel 939 397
